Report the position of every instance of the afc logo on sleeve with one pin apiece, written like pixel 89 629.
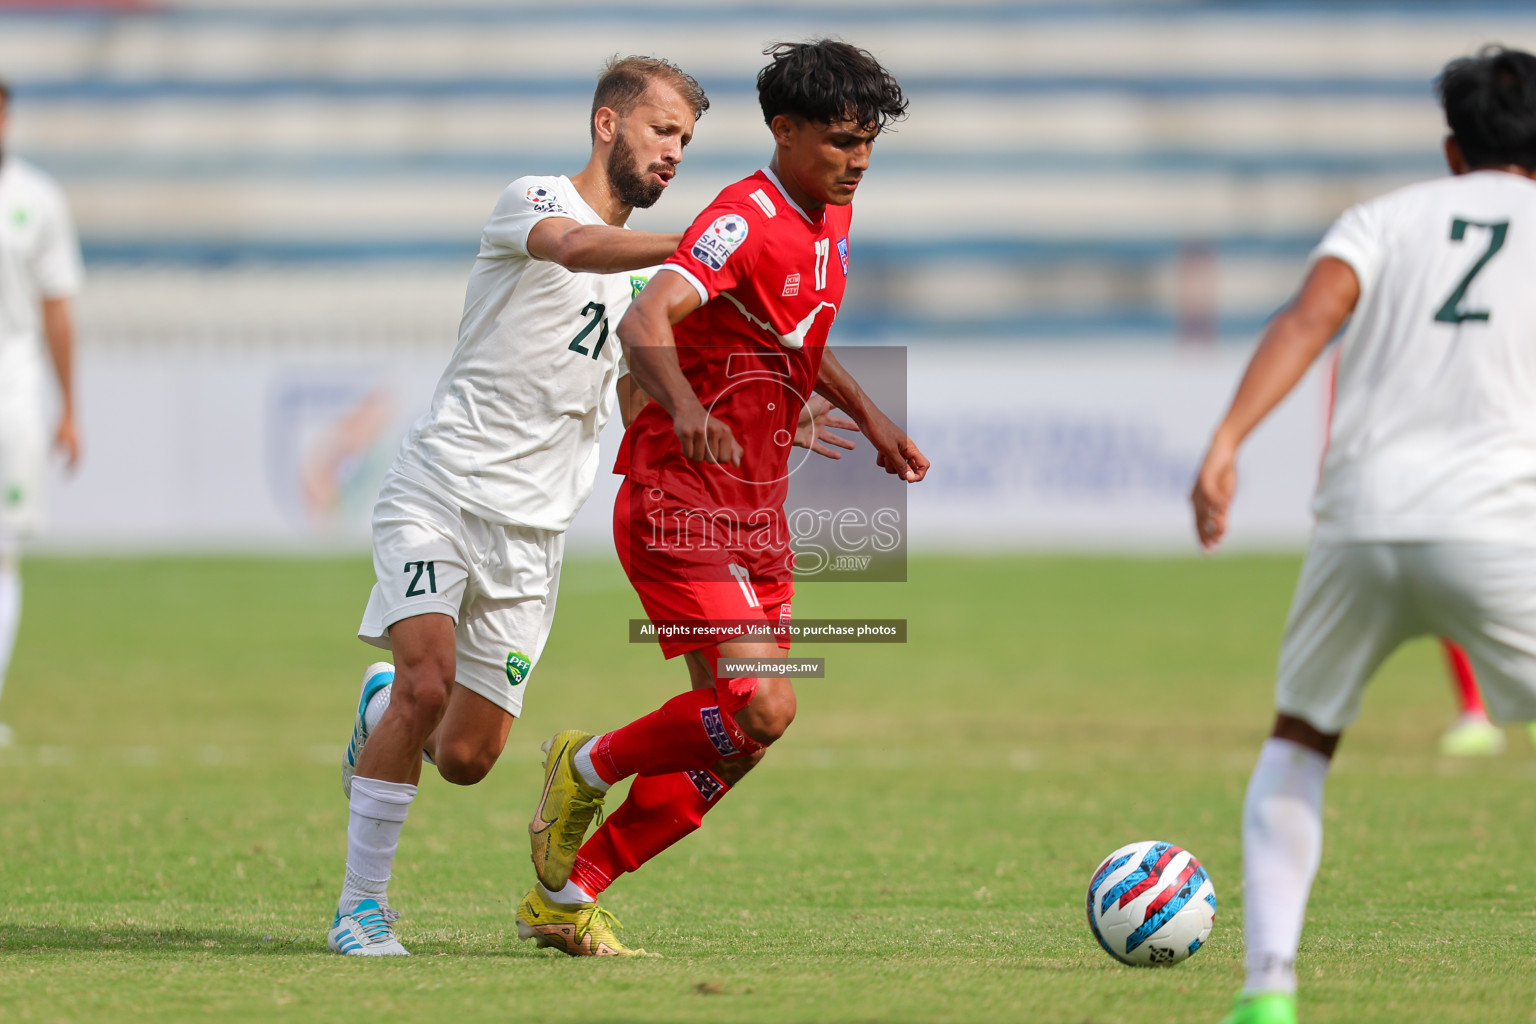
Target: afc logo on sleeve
pixel 721 239
pixel 842 253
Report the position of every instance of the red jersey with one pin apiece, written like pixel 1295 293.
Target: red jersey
pixel 771 279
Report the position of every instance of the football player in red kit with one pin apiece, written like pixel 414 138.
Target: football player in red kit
pixel 730 346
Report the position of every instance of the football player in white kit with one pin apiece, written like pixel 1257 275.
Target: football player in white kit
pixel 469 527
pixel 1426 507
pixel 39 275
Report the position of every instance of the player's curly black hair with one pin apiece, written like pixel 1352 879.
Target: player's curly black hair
pixel 827 81
pixel 1490 106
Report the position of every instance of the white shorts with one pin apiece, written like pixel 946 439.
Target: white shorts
pixel 1357 601
pixel 498 583
pixel 23 458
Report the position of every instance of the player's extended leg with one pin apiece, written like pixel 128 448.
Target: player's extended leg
pixel 659 811
pixel 691 733
pixel 385 783
pixel 1472 735
pixel 464 748
pixel 1282 845
pixel 10 616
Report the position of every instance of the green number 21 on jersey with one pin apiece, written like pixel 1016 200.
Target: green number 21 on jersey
pixel 599 314
pixel 1451 311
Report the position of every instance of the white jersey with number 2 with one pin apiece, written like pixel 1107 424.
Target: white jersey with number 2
pixel 513 429
pixel 1434 423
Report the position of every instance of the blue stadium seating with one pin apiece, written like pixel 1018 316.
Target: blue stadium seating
pixel 1087 171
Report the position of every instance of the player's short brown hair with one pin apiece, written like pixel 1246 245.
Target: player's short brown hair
pixel 624 80
pixel 5 91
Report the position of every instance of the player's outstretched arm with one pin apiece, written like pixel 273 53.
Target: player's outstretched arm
pixel 597 248
pixel 894 450
pixel 651 351
pixel 1290 345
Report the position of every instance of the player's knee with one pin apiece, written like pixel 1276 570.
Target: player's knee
pixel 420 696
pixel 770 713
pixel 462 764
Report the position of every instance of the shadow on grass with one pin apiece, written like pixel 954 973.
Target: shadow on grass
pixel 15 938
pixel 18 938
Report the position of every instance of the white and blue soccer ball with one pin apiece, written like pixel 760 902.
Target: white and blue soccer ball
pixel 1151 904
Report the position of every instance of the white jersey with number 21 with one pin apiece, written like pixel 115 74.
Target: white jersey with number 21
pixel 1434 423
pixel 513 429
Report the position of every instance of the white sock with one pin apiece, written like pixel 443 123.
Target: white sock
pixel 1282 845
pixel 378 811
pixel 373 714
pixel 572 893
pixel 588 773
pixel 10 611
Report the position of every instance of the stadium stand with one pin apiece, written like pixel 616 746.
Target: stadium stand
pixel 1112 170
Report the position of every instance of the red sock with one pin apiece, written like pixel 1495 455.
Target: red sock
pixel 660 810
pixel 1466 679
pixel 690 732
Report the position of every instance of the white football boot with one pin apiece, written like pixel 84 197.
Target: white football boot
pixel 366 931
pixel 376 677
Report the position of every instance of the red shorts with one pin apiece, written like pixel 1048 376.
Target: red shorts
pixel 712 588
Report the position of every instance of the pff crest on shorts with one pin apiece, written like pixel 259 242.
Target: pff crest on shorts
pixel 518 667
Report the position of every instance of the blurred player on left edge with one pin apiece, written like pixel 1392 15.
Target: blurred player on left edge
pixel 39 274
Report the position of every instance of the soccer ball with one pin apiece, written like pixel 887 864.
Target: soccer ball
pixel 1150 904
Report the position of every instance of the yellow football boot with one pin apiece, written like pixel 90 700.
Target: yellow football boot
pixel 579 929
pixel 566 809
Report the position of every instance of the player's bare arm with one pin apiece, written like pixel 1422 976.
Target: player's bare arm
pixel 59 330
pixel 651 350
pixel 1290 344
pixel 598 248
pixel 631 398
pixel 895 452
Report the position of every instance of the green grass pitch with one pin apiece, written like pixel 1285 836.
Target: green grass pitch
pixel 172 828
